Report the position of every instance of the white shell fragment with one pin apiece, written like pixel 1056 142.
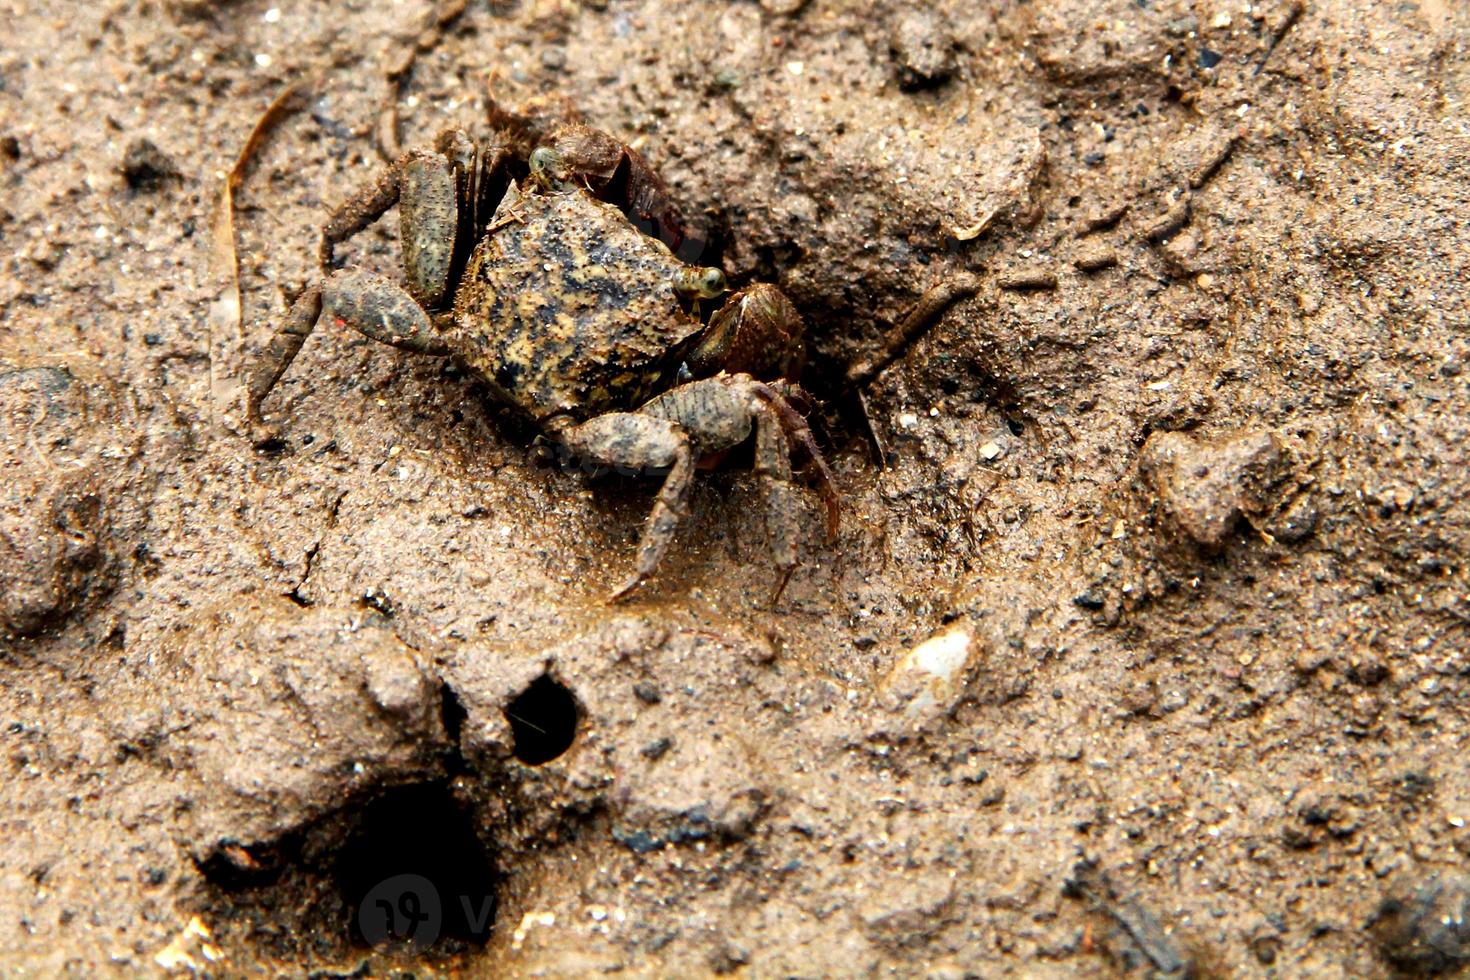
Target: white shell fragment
pixel 929 680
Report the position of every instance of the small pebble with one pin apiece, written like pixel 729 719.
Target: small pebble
pixel 1266 947
pixel 1168 224
pixel 1206 487
pixel 1028 279
pixel 927 682
pixel 1095 257
pixel 657 749
pixel 145 167
pixel 726 80
pixel 923 51
pixel 1090 600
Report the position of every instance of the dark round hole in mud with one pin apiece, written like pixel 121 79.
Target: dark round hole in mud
pixel 414 872
pixel 543 721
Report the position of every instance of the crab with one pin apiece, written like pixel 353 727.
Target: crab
pixel 543 264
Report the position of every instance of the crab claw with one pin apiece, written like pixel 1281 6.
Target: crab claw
pixel 757 332
pixel 616 173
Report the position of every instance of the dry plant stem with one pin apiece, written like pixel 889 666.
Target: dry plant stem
pixel 926 313
pixel 1293 14
pixel 228 306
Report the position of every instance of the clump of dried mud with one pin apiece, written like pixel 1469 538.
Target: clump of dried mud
pixel 1147 652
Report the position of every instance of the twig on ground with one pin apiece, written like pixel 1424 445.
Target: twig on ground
pixel 227 311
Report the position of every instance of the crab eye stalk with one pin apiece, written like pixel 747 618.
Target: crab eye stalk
pixel 707 283
pixel 712 282
pixel 545 164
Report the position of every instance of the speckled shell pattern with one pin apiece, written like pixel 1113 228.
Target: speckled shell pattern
pixel 566 309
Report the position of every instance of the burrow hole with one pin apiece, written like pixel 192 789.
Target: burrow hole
pixel 543 721
pixel 408 836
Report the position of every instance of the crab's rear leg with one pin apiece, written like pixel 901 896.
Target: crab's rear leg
pixel 794 427
pixel 717 414
pixel 355 298
pixel 614 172
pixel 444 194
pixel 640 445
pixel 783 510
pixel 422 184
pixel 358 211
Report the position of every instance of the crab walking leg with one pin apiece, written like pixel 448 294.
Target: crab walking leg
pixel 773 466
pixel 366 302
pixel 428 212
pixel 357 212
pixel 795 427
pixel 426 185
pixel 717 413
pixel 380 308
pixel 284 345
pixel 641 444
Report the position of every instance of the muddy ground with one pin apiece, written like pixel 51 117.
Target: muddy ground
pixel 1146 652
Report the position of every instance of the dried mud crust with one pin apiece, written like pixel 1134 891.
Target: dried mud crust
pixel 70 446
pixel 1146 653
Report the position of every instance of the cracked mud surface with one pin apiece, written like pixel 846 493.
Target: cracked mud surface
pixel 1150 647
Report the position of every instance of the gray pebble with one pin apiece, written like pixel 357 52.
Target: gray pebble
pixel 923 50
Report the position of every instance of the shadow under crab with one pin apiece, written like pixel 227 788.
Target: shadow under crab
pixel 533 274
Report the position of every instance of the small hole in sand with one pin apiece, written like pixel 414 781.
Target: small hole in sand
pixel 414 872
pixel 543 720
